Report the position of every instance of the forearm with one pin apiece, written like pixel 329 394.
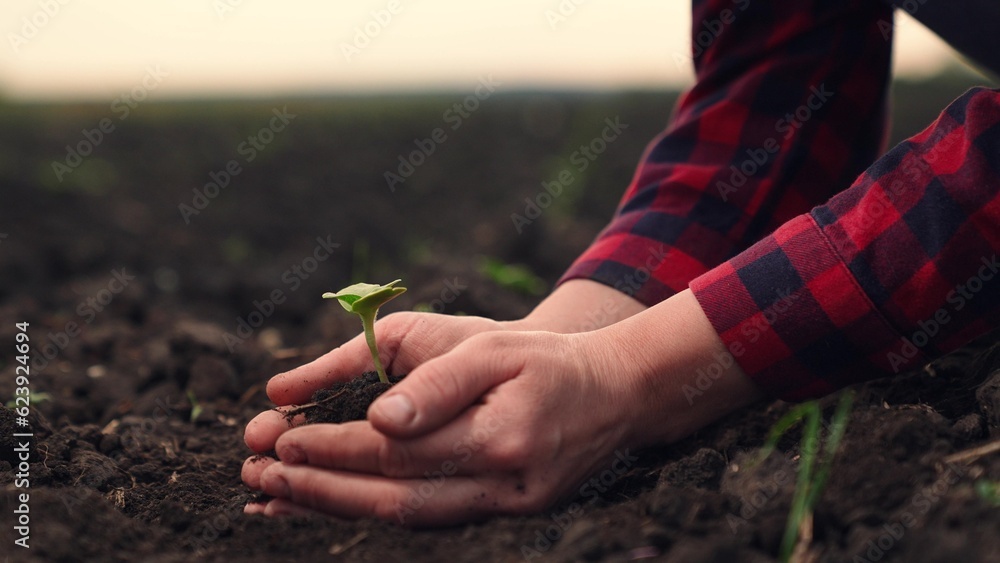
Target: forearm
pixel 679 372
pixel 580 306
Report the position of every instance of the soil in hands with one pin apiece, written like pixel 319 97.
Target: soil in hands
pixel 347 401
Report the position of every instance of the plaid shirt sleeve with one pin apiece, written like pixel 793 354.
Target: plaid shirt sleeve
pixel 900 267
pixel 893 270
pixel 789 106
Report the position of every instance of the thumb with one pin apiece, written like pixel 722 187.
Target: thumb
pixel 437 391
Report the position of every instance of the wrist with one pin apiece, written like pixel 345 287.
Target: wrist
pixel 579 305
pixel 675 371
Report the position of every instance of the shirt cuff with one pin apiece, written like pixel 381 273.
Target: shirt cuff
pixel 795 318
pixel 644 268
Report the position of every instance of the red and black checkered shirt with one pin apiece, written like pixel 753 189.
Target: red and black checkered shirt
pixel 811 274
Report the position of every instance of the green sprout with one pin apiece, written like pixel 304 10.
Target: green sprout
pixel 515 277
pixel 811 478
pixel 989 491
pixel 33 398
pixel 196 408
pixel 364 299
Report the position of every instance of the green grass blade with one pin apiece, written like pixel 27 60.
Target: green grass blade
pixel 807 459
pixel 785 423
pixel 838 425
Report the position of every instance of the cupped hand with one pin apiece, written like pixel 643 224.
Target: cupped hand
pixel 404 341
pixel 496 418
pixel 407 339
pixel 501 422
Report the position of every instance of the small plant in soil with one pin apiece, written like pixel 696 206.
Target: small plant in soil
pixel 515 277
pixel 811 476
pixel 347 401
pixel 33 399
pixel 989 491
pixel 364 300
pixel 196 408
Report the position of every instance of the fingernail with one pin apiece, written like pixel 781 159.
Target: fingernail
pixel 397 409
pixel 275 485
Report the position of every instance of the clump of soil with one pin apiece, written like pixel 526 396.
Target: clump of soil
pixel 347 401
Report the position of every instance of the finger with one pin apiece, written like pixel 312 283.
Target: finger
pixel 413 502
pixel 255 507
pixel 282 507
pixel 262 432
pixel 340 364
pixel 460 448
pixel 405 340
pixel 435 392
pixel 252 468
pixel 349 360
pixel 357 447
pixel 278 507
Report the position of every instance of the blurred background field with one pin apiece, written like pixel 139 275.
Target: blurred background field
pixel 323 175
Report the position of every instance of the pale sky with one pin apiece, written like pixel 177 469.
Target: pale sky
pixel 99 49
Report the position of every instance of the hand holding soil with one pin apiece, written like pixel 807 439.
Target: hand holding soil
pixel 510 420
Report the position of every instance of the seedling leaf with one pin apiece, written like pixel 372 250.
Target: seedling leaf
pixel 364 300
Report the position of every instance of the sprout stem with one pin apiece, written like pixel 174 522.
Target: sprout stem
pixel 364 299
pixel 368 323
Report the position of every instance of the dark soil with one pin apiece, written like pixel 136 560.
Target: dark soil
pixel 344 402
pixel 120 470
